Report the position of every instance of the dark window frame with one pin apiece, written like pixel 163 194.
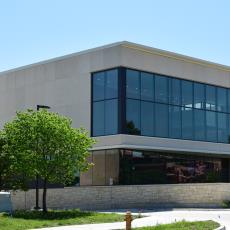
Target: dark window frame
pixel 122 100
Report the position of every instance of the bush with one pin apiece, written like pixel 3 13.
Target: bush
pixel 225 204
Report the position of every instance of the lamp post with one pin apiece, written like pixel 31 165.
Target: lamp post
pixel 37 177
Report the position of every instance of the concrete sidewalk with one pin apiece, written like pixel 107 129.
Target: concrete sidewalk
pixel 158 217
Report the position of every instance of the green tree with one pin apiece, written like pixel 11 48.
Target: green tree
pixel 10 177
pixel 46 144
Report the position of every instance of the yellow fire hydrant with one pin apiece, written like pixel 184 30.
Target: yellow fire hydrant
pixel 128 220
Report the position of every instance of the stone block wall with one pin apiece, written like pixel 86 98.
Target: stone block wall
pixel 130 196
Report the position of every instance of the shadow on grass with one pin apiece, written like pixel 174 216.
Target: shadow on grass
pixel 51 215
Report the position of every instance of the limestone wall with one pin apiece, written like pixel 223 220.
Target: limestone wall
pixel 133 196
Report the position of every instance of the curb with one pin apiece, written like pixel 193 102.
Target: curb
pixel 220 228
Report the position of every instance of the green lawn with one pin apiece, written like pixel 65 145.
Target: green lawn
pixel 23 220
pixel 183 225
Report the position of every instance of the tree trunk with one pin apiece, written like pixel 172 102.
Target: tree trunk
pixel 44 195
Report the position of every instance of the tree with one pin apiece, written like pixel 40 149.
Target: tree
pixel 46 145
pixel 10 176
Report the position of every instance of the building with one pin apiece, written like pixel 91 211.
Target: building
pixel 158 117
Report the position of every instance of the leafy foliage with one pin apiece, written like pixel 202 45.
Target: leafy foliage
pixel 44 143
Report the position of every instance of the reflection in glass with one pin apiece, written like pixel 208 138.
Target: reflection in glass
pixel 98 118
pixel 199 96
pixel 147 86
pixel 133 116
pixel 187 93
pixel 161 120
pixel 132 84
pixel 222 127
pixel 221 99
pixel 98 86
pixel 211 97
pixel 211 126
pixel 111 85
pixel 141 167
pixel 147 118
pixel 199 124
pixel 175 91
pixel 187 123
pixel 175 121
pixel 111 116
pixel 161 89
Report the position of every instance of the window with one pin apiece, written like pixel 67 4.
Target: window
pixel 175 91
pixel 147 118
pixel 111 116
pixel 210 97
pixel 175 121
pixel 105 103
pixel 221 99
pixel 147 87
pixel 161 120
pixel 133 116
pixel 187 93
pixel 150 104
pixel 199 96
pixel 211 126
pixel 98 86
pixel 132 84
pixel 98 118
pixel 161 89
pixel 199 125
pixel 187 123
pixel 222 128
pixel 111 85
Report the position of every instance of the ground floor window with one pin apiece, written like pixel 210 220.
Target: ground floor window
pixel 142 167
pixel 133 167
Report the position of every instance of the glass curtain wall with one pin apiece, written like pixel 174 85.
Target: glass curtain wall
pixel 164 106
pixel 141 167
pixel 105 103
pixel 141 103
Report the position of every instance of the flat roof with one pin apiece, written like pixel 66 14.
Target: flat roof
pixel 134 46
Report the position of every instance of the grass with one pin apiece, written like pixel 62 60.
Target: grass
pixel 183 225
pixel 23 220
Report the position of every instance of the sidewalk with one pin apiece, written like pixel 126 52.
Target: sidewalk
pixel 158 217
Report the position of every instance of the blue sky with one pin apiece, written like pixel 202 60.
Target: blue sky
pixel 35 30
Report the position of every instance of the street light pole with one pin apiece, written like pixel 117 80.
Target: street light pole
pixel 37 176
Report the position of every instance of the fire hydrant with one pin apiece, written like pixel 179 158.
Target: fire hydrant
pixel 128 220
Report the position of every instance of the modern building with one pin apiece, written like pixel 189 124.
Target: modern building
pixel 158 117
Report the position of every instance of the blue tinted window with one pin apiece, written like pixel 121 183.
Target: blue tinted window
pixel 132 84
pixel 161 89
pixel 187 123
pixel 98 86
pixel 199 96
pixel 228 100
pixel 147 86
pixel 98 118
pixel 199 124
pixel 211 126
pixel 147 118
pixel 175 121
pixel 221 99
pixel 111 116
pixel 175 91
pixel 211 97
pixel 161 120
pixel 133 116
pixel 222 128
pixel 111 84
pixel 187 93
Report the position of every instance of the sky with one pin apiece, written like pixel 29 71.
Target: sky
pixel 37 30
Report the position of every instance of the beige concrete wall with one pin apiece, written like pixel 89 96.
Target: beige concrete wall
pixel 133 196
pixel 64 85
